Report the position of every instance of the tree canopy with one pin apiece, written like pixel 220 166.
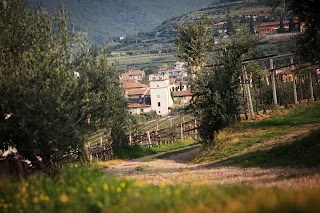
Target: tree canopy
pixel 308 14
pixel 53 91
pixel 216 98
pixel 193 41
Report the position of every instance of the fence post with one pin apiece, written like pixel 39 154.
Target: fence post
pixel 181 131
pixel 130 138
pixel 311 87
pixel 294 83
pixel 195 129
pixel 273 82
pixel 149 138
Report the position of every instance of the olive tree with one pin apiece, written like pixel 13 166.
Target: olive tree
pixel 53 93
pixel 193 41
pixel 216 98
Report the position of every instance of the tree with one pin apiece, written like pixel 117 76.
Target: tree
pixel 308 14
pixel 53 93
pixel 216 99
pixel 193 41
pixel 252 25
pixel 292 26
pixel 281 29
pixel 230 28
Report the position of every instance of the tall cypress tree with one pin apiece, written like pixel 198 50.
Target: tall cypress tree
pixel 252 25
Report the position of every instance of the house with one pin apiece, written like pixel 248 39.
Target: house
pixel 179 65
pixel 139 109
pixel 271 27
pixel 137 75
pixel 182 97
pixel 220 25
pixel 160 94
pixel 128 85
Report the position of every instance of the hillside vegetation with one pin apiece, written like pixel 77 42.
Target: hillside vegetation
pixel 288 138
pixel 103 19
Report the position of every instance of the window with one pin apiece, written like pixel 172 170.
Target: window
pixel 159 104
pixel 141 110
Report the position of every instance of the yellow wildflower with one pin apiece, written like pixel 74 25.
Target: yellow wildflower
pixel 35 200
pixel 89 189
pixel 119 189
pixel 105 187
pixel 63 198
pixel 122 185
pixel 74 190
pixel 44 197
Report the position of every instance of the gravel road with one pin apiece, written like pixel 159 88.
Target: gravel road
pixel 175 169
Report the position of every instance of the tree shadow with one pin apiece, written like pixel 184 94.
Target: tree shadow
pixel 303 152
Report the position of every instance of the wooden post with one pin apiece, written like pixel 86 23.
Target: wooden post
pixel 247 88
pixel 295 96
pixel 195 130
pixel 130 139
pixel 273 82
pixel 149 138
pixel 181 131
pixel 311 87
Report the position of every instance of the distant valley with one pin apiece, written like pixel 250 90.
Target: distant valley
pixel 104 19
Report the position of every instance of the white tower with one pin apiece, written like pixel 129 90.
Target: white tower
pixel 160 94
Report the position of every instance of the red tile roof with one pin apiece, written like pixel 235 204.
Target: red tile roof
pixel 182 93
pixel 131 85
pixel 138 92
pixel 275 23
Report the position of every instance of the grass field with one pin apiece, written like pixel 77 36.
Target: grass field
pixel 132 152
pixel 87 189
pixel 288 139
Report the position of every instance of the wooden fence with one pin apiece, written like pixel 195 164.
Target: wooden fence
pixel 104 151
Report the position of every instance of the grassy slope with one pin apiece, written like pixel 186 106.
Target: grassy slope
pixel 87 189
pixel 285 140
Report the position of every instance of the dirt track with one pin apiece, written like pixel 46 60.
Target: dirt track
pixel 175 169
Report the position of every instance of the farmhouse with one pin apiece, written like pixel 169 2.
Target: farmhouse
pixel 271 27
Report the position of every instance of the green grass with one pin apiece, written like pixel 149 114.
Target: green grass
pixel 255 137
pixel 132 152
pixel 87 189
pixel 304 151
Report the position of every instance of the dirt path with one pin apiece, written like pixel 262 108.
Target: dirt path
pixel 175 169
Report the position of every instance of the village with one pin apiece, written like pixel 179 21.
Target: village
pixel 160 92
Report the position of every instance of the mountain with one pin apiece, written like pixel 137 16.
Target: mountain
pixel 104 19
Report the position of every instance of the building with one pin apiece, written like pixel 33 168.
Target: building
pixel 179 65
pixel 271 27
pixel 182 97
pixel 160 94
pixel 139 109
pixel 136 75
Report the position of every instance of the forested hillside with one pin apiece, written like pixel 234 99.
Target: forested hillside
pixel 103 19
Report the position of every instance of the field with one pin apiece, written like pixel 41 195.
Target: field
pixel 271 165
